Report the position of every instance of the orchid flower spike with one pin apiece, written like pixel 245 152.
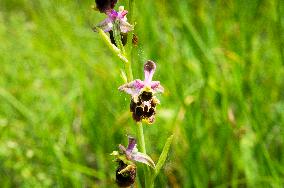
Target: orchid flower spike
pixel 126 157
pixel 143 102
pixel 116 17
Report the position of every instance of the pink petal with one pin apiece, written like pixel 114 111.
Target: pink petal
pixel 105 25
pixel 122 14
pixel 143 158
pixel 156 87
pixel 132 88
pixel 131 144
pixel 125 26
pixel 112 14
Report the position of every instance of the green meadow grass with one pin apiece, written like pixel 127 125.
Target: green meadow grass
pixel 221 64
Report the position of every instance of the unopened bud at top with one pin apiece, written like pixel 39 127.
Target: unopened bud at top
pixel 105 5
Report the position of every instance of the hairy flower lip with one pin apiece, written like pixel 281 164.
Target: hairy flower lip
pixel 144 107
pixel 125 174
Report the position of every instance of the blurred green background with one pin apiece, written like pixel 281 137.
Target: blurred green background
pixel 222 66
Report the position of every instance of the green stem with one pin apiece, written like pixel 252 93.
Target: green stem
pixel 141 142
pixel 140 132
pixel 129 46
pixel 129 71
pixel 141 137
pixel 111 46
pixel 107 41
pixel 127 64
pixel 130 11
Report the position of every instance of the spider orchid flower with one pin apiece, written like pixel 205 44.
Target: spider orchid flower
pixel 126 157
pixel 143 102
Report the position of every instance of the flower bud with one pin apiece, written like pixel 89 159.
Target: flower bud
pixel 105 5
pixel 135 40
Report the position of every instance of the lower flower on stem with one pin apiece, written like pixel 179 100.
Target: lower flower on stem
pixel 126 158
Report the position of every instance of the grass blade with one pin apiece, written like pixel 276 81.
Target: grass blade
pixel 163 155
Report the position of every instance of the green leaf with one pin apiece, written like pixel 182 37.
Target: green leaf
pixel 116 51
pixel 106 39
pixel 163 155
pixel 123 75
